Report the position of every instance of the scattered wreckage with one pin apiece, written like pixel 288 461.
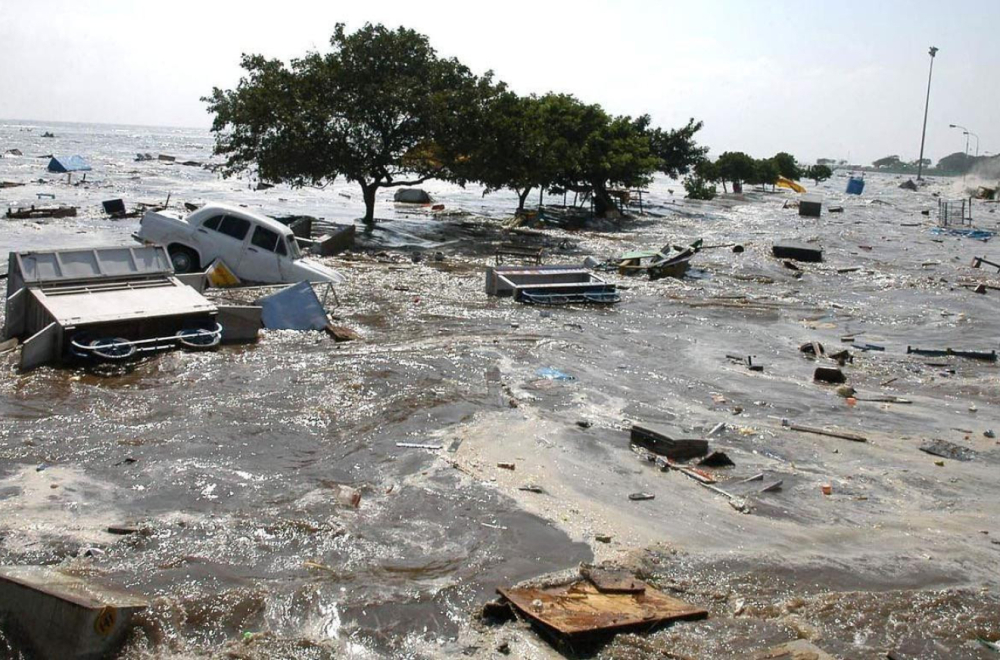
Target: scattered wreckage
pixel 550 285
pixel 57 614
pixel 669 261
pixel 590 603
pixel 105 304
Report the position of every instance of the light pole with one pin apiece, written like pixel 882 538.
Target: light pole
pixel 966 133
pixel 977 142
pixel 923 134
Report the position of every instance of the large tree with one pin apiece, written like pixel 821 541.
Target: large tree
pixel 765 172
pixel 736 167
pixel 956 163
pixel 818 173
pixel 515 150
pixel 600 152
pixel 887 161
pixel 381 109
pixel 787 167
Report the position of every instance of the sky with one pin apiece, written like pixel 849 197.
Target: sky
pixel 845 79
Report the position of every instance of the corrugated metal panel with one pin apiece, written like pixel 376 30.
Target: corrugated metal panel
pixel 87 264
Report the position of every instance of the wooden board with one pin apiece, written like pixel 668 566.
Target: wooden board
pixel 659 442
pixel 580 607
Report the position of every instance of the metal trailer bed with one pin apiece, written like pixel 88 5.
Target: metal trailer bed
pixel 550 285
pixel 106 304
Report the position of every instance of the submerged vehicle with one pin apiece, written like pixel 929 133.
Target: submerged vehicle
pixel 254 247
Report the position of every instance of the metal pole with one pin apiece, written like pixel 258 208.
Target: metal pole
pixel 920 163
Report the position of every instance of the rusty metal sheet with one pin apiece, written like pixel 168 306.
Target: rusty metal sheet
pixel 580 607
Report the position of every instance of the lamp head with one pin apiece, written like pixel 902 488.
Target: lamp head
pixel 933 51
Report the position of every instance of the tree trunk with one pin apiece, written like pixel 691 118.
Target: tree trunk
pixel 604 206
pixel 368 191
pixel 522 195
pixel 724 188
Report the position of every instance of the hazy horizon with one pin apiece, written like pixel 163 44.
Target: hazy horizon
pixel 845 81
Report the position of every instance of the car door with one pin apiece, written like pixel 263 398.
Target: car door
pixel 223 237
pixel 260 258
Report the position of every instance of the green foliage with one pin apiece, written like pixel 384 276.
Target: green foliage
pixel 818 173
pixel 735 166
pixel 381 109
pixel 888 161
pixel 598 151
pixel 765 172
pixel 515 151
pixel 787 167
pixel 957 163
pixel 707 170
pixel 698 187
pixel 677 150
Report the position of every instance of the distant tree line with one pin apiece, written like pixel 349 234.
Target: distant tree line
pixel 739 169
pixel 956 163
pixel 383 109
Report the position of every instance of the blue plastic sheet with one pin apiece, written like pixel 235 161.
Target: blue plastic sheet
pixel 294 308
pixel 551 373
pixel 63 164
pixel 977 234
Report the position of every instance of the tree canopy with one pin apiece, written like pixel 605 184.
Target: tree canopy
pixel 958 162
pixel 787 167
pixel 818 173
pixel 381 109
pixel 736 167
pixel 887 161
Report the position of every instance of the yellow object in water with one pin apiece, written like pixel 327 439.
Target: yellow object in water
pixel 219 275
pixel 782 182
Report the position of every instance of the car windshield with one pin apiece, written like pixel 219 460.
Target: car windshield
pixel 293 248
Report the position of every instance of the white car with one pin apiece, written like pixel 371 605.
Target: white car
pixel 254 247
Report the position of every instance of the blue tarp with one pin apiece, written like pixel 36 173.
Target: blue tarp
pixel 64 164
pixel 978 234
pixel 294 308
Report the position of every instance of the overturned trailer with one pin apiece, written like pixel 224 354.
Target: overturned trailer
pixel 550 285
pixel 104 304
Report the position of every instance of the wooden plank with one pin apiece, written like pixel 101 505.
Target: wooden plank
pixel 833 434
pixel 658 442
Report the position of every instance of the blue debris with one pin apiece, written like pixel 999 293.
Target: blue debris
pixel 551 373
pixel 62 165
pixel 294 308
pixel 976 234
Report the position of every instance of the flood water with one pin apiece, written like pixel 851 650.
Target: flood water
pixel 239 463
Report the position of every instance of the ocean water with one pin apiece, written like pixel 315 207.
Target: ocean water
pixel 238 462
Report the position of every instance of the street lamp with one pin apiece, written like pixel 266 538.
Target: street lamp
pixel 920 163
pixel 966 133
pixel 977 142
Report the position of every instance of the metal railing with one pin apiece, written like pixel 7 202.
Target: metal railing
pixel 955 212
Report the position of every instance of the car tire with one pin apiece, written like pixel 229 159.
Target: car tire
pixel 184 260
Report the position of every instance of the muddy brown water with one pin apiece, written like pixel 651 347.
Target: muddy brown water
pixel 233 460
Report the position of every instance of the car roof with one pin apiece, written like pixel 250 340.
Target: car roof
pixel 214 209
